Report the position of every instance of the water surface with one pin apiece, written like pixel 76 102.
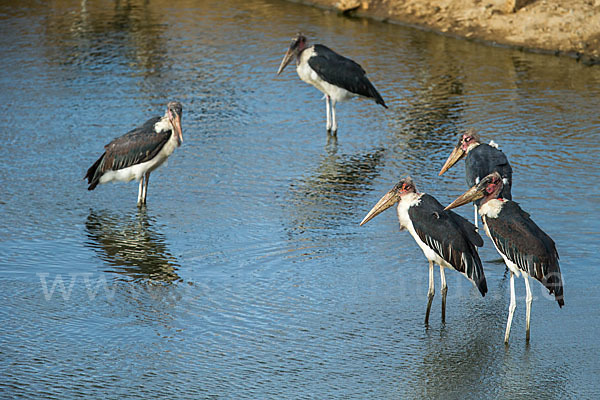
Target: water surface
pixel 247 275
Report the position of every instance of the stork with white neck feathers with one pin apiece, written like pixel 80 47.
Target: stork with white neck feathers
pixel 136 154
pixel 338 77
pixel 480 160
pixel 446 238
pixel 525 248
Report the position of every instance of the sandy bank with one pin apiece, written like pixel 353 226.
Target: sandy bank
pixel 569 28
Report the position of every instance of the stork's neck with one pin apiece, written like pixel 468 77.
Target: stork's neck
pixel 491 207
pixel 163 125
pixel 471 146
pixel 299 54
pixel 407 201
pixel 411 198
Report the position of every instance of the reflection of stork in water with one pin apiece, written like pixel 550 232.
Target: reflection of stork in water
pixel 325 197
pixel 132 245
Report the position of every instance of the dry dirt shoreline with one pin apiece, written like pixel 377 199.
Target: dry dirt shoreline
pixel 570 27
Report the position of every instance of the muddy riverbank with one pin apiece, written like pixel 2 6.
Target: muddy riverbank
pixel 550 26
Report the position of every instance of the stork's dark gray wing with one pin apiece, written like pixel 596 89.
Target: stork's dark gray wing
pixel 451 236
pixel 485 159
pixel 137 146
pixel 467 227
pixel 525 244
pixel 343 72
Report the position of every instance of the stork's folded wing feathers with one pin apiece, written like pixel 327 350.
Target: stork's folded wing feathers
pixel 343 72
pixel 523 242
pixel 136 146
pixel 450 237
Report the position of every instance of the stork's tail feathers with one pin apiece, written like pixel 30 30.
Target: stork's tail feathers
pixel 474 271
pixel 93 185
pixel 371 92
pixel 482 286
pixel 378 99
pixel 93 175
pixel 553 283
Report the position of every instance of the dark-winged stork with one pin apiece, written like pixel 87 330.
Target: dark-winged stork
pixel 139 152
pixel 446 238
pixel 524 247
pixel 480 160
pixel 338 77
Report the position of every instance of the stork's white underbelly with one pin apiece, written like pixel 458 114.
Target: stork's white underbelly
pixel 405 222
pixel 135 172
pixel 308 75
pixel 514 268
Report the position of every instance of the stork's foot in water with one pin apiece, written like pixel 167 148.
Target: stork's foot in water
pixel 430 295
pixel 444 292
pixel 332 142
pixel 140 200
pixel 429 301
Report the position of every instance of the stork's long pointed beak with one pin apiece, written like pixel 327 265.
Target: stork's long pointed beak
pixel 176 122
pixel 289 55
pixel 475 193
pixel 388 200
pixel 456 155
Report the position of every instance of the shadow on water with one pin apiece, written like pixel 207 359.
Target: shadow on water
pixel 92 36
pixel 469 361
pixel 429 120
pixel 286 294
pixel 468 352
pixel 325 198
pixel 132 245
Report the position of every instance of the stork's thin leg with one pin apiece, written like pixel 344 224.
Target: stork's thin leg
pixel 430 292
pixel 528 300
pixel 146 187
pixel 328 111
pixel 444 292
pixel 334 121
pixel 140 190
pixel 476 222
pixel 511 308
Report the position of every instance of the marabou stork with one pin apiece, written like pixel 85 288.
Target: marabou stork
pixel 446 238
pixel 338 77
pixel 139 152
pixel 480 160
pixel 524 247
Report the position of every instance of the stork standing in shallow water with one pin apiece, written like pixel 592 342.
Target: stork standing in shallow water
pixel 524 247
pixel 338 77
pixel 480 160
pixel 139 152
pixel 446 238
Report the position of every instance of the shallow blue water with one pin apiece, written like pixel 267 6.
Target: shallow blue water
pixel 247 275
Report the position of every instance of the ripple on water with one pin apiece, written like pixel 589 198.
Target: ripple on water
pixel 247 275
